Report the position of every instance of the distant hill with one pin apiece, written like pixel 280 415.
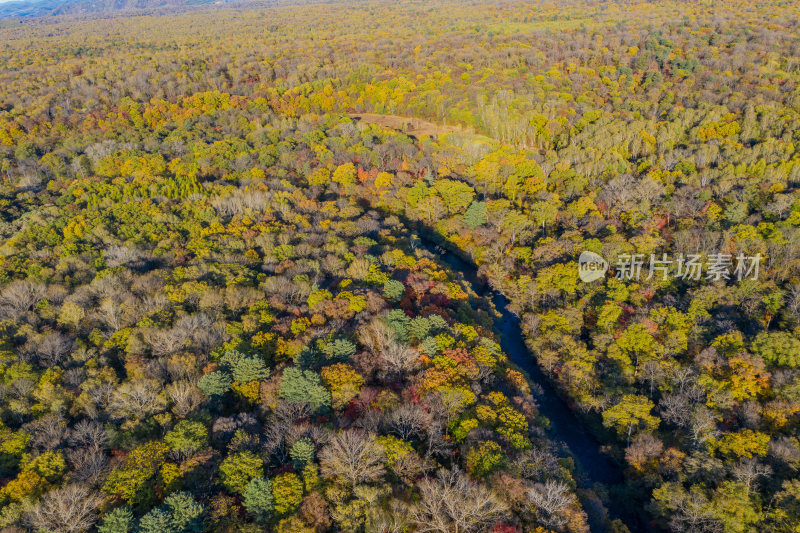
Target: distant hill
pixel 43 8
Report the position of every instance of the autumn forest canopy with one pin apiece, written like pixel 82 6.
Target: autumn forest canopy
pixel 258 266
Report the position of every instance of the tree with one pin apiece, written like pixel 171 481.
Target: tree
pixel 551 499
pixel 734 508
pixel 187 437
pixel 455 194
pixel 637 345
pixel 238 469
pixel 258 499
pixel 136 400
pixel 20 296
pixel 745 443
pixel 475 215
pixel 451 502
pixel 353 457
pixel 344 174
pixel 778 348
pixel 250 369
pixel 215 384
pixel 157 520
pixel 343 382
pixel 686 511
pixel 131 482
pixel 304 386
pixel 119 520
pixel 631 413
pixel 484 459
pixel 393 290
pixel 186 515
pixel 287 491
pixel 185 396
pixel 302 452
pixel 70 509
pixel 398 359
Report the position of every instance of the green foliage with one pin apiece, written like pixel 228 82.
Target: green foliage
pixel 120 520
pixel 419 327
pixel 230 360
pixel 250 369
pixel 337 349
pixel 185 513
pixel 475 215
pixel 187 437
pixel 132 481
pixel 180 513
pixel 157 520
pixel 258 499
pixel 485 458
pixel 778 348
pixel 215 384
pixel 238 469
pixel 429 346
pixel 304 386
pixel 302 452
pixel 398 323
pixel 393 290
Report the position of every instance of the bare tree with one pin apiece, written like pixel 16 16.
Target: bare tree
pixel 280 424
pixel 675 409
pixel 551 499
pixel 47 432
pixel 89 434
pixel 102 395
pixel 136 400
pixel 408 421
pixel 152 303
pixel 793 300
pixel 392 521
pixel 536 464
pixel 20 296
pixel 165 341
pixel 703 425
pixel 69 509
pixel 352 456
pixel 398 359
pixel 88 465
pixel 452 502
pixel 749 470
pixel 185 397
pixel 50 349
pixel 112 313
pixel 201 329
pixel 121 255
pixel 643 448
pixel 375 335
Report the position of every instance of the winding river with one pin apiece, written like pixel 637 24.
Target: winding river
pixel 593 466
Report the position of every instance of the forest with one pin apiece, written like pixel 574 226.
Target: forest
pixel 226 302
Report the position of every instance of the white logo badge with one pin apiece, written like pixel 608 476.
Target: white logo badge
pixel 591 266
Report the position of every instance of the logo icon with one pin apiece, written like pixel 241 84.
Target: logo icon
pixel 591 266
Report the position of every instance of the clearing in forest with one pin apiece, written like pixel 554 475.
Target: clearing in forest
pixel 408 125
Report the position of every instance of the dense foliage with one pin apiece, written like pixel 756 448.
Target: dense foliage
pixel 217 315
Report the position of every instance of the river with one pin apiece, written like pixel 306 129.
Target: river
pixel 566 428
